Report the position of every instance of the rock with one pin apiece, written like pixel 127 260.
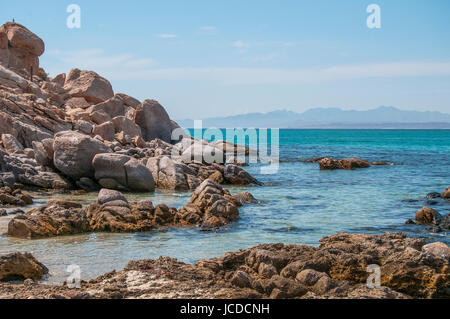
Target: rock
pixel 201 153
pixel 57 218
pixel 427 216
pixel 44 152
pixel 446 193
pixel 123 138
pixel 105 131
pixel 84 127
pixel 309 277
pixel 444 223
pixel 11 144
pixel 87 184
pixel 433 195
pixel 381 163
pixel 29 152
pixel 20 266
pixel 153 121
pixel 89 85
pixel 237 176
pixel 129 100
pixel 438 249
pixel 349 163
pixel 169 174
pixel 77 103
pixel 236 161
pixel 125 171
pixel 125 125
pixel 3 212
pixel 22 49
pixel 240 279
pixel 210 205
pixel 109 195
pixel 74 152
pixel 119 216
pixel 245 198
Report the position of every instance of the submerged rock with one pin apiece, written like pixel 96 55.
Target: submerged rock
pixel 20 266
pixel 348 163
pixel 446 193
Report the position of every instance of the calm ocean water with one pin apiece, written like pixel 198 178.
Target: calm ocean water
pixel 300 204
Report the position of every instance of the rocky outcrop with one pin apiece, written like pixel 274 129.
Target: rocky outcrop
pixel 235 175
pixel 19 47
pixel 113 213
pixel 210 206
pixel 446 193
pixel 20 266
pixel 57 218
pixel 122 172
pixel 10 197
pixel 348 163
pixel 427 216
pixel 74 152
pixel 89 85
pixel 153 121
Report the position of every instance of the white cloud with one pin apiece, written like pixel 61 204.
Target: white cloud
pixel 128 67
pixel 209 28
pixel 166 36
pixel 239 44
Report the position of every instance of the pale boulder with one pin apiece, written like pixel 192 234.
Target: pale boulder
pixel 154 121
pixel 74 152
pixel 88 84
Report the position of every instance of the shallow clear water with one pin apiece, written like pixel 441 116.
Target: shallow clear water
pixel 299 204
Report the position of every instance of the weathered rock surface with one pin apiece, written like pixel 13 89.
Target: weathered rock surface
pixel 74 152
pixel 57 218
pixel 169 174
pixel 336 269
pixel 446 193
pixel 237 176
pixel 89 85
pixel 122 172
pixel 20 266
pixel 10 197
pixel 348 163
pixel 210 206
pixel 427 216
pixel 154 121
pixel 19 47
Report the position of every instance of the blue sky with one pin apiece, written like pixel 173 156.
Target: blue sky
pixel 212 58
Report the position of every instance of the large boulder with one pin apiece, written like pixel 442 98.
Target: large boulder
pixel 88 84
pixel 19 47
pixel 127 126
pixel 154 121
pixel 118 171
pixel 20 266
pixel 108 109
pixel 203 153
pixel 169 174
pixel 74 152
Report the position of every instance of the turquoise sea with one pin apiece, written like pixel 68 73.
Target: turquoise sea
pixel 300 204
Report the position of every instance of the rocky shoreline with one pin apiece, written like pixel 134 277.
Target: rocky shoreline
pixel 409 268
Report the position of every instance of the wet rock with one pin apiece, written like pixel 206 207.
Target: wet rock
pixel 427 216
pixel 210 205
pixel 433 195
pixel 20 266
pixel 237 176
pixel 446 193
pixel 245 198
pixel 54 219
pixel 444 223
pixel 381 163
pixel 349 163
pixel 74 152
pixel 109 195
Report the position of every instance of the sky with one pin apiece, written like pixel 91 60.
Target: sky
pixel 211 58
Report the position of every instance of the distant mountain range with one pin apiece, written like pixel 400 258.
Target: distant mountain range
pixel 383 117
